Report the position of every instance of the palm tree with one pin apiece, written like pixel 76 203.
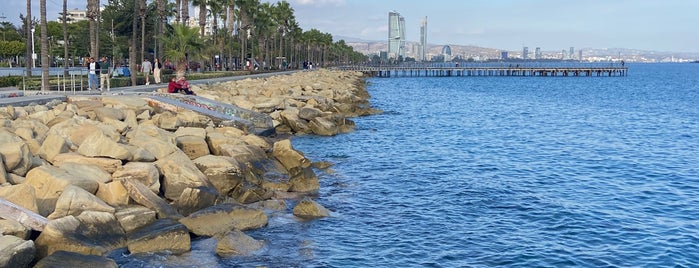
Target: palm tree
pixel 181 44
pixel 93 15
pixel 184 11
pixel 142 11
pixel 65 38
pixel 202 14
pixel 30 43
pixel 44 48
pixel 132 48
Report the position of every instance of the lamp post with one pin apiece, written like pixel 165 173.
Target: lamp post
pixel 33 54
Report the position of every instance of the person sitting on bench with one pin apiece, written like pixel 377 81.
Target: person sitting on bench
pixel 179 86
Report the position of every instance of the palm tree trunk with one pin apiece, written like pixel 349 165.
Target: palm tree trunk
pixel 65 39
pixel 28 24
pixel 44 48
pixel 161 24
pixel 185 12
pixel 132 48
pixel 202 17
pixel 143 29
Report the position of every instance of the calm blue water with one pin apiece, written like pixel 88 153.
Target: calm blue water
pixel 504 171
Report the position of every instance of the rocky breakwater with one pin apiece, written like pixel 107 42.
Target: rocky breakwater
pixel 318 102
pixel 81 178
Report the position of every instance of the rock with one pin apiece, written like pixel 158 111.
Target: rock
pixel 22 195
pixel 162 235
pixel 107 164
pixel 190 131
pixel 15 153
pixel 243 153
pixel 309 209
pixel 246 192
pixel 303 180
pixel 144 196
pixel 288 156
pixel 100 145
pixel 92 233
pixel 179 172
pixel 53 145
pixel 290 117
pixel 71 259
pixel 95 172
pixel 113 193
pixel 3 172
pixel 323 126
pixel 16 252
pixel 193 199
pixel 157 141
pixel 134 217
pixel 14 228
pixel 49 182
pixel 193 146
pixel 237 243
pixel 74 200
pixel 309 113
pixel 222 218
pixel 146 173
pixel 106 112
pixel 256 141
pixel 215 140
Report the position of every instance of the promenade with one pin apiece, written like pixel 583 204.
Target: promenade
pixel 431 71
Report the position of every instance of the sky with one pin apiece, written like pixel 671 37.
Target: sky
pixel 553 25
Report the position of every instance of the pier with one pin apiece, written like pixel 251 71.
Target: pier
pixel 448 71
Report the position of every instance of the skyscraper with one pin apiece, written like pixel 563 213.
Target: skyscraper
pixel 423 39
pixel 525 53
pixel 396 35
pixel 537 53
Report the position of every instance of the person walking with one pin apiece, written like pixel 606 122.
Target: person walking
pixel 105 73
pixel 146 68
pixel 93 69
pixel 156 70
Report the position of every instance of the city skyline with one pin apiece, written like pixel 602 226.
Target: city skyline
pixel 501 24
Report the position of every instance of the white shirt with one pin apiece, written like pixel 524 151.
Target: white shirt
pixel 93 67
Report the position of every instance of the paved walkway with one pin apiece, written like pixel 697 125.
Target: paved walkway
pixel 62 95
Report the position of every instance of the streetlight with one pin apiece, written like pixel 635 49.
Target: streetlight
pixel 33 54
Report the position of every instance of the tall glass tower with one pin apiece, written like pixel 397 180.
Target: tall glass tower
pixel 396 35
pixel 423 39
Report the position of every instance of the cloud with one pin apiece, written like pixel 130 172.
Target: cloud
pixel 320 2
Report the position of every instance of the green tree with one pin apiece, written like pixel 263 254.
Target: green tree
pixel 181 44
pixel 10 49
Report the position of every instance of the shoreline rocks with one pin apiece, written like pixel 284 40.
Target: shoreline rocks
pixel 112 172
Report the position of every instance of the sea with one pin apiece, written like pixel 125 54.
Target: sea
pixel 498 172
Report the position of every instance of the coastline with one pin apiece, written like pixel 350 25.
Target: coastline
pixel 112 172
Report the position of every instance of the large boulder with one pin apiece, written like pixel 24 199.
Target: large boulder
pixel 193 146
pixel 71 259
pixel 162 235
pixel 22 195
pixel 113 193
pixel 15 153
pixel 16 252
pixel 157 141
pixel 179 172
pixel 14 228
pixel 193 199
pixel 92 233
pixel 288 156
pixel 237 243
pixel 310 209
pixel 99 145
pixel 324 126
pixel 49 182
pixel 107 164
pixel 146 173
pixel 74 200
pixel 219 219
pixel 144 196
pixel 88 170
pixel 52 146
pixel 134 217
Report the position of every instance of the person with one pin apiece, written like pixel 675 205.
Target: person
pixel 179 85
pixel 105 73
pixel 157 66
pixel 93 68
pixel 146 68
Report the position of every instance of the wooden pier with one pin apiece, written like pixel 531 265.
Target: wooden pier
pixel 547 71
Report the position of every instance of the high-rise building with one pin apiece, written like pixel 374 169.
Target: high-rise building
pixel 446 53
pixel 423 39
pixel 571 54
pixel 525 53
pixel 580 54
pixel 537 53
pixel 396 35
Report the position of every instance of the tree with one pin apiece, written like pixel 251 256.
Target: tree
pixel 182 43
pixel 44 48
pixel 93 16
pixel 65 38
pixel 202 14
pixel 28 25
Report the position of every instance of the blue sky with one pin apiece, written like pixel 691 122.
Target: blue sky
pixel 662 25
